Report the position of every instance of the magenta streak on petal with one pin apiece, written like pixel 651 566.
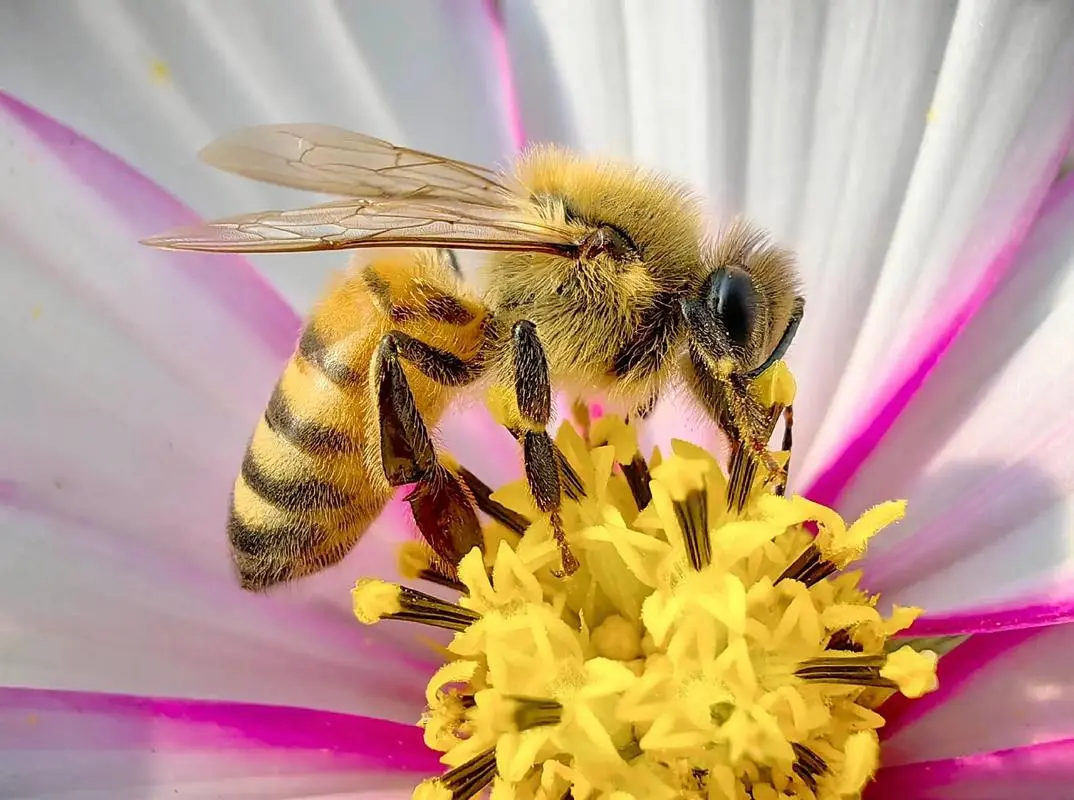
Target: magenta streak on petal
pixel 954 671
pixel 49 718
pixel 1041 771
pixel 899 391
pixel 150 209
pixel 508 86
pixel 1034 615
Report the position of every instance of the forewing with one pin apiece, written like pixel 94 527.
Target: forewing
pixel 323 158
pixel 349 224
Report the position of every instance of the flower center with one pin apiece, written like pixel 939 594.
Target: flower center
pixel 697 652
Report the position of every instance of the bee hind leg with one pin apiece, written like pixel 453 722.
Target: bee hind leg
pixel 547 470
pixel 442 504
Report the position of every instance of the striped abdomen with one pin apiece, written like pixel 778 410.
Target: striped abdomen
pixel 311 481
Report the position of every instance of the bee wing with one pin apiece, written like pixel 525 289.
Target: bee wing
pixel 323 158
pixel 346 224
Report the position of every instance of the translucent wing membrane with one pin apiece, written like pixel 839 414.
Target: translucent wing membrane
pixel 348 224
pixel 322 158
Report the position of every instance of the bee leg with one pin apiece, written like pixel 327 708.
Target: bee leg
pixel 644 410
pixel 442 505
pixel 727 400
pixel 542 459
pixel 788 441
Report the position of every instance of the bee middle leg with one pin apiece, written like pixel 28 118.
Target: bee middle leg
pixel 547 470
pixel 442 504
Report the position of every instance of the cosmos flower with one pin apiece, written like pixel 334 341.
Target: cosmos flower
pixel 911 158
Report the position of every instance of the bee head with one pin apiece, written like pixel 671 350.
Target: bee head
pixel 747 307
pixel 722 316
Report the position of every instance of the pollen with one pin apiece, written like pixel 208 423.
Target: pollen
pixel 699 650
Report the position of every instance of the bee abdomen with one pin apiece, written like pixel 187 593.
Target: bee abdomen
pixel 267 554
pixel 258 541
pixel 294 493
pixel 313 349
pixel 306 435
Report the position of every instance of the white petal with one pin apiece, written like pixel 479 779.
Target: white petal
pixel 131 380
pixel 984 451
pixel 157 82
pixel 1001 121
pixel 569 64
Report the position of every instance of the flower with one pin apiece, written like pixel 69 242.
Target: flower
pixel 698 651
pixel 910 159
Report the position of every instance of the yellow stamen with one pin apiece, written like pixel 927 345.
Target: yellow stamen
pixel 375 600
pixel 701 649
pixel 461 783
pixel 912 671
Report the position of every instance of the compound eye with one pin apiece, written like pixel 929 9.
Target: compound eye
pixel 732 300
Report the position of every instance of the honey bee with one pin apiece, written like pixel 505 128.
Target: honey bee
pixel 600 281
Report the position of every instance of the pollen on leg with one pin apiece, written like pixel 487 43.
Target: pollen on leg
pixel 698 650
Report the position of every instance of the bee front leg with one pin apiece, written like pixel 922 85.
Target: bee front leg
pixel 748 426
pixel 787 444
pixel 442 505
pixel 543 462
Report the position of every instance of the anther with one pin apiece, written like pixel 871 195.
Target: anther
pixel 461 783
pixel 482 493
pixel 840 640
pixel 809 568
pixel 637 478
pixel 375 600
pixel 849 670
pixel 692 513
pixel 808 765
pixel 533 712
pixel 741 472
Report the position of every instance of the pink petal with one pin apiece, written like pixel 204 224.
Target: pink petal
pixel 1035 772
pixel 1033 615
pixel 997 691
pixel 61 744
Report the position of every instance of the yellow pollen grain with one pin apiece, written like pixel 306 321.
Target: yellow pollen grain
pixel 375 599
pixel 647 675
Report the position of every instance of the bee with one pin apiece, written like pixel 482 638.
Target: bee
pixel 600 280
